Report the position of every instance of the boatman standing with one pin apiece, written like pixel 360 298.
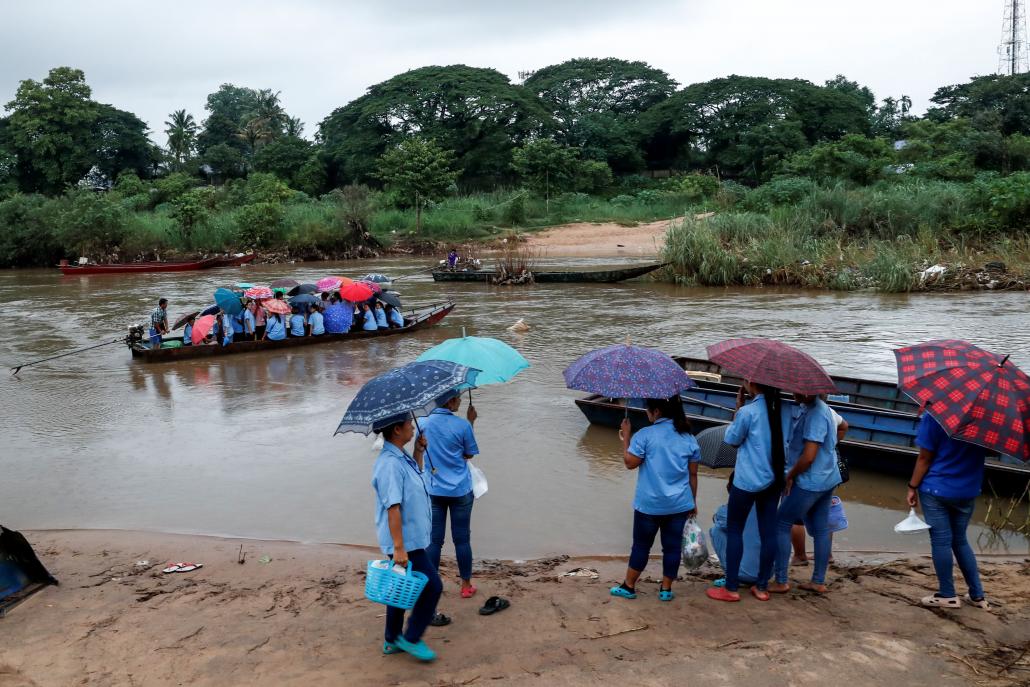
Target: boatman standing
pixel 158 323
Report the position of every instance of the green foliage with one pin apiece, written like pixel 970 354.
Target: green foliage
pixel 181 130
pixel 26 231
pixel 172 187
pixel 419 171
pixel 225 161
pixel 1009 200
pixel 311 178
pixel 259 225
pixel 546 167
pixel 283 157
pixel 697 187
pixel 515 211
pixel 890 269
pixel 593 176
pixel 782 191
pixel 992 101
pixel 92 224
pixel 853 158
pixel 191 210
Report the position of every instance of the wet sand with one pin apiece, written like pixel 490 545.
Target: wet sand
pixel 600 240
pixel 301 619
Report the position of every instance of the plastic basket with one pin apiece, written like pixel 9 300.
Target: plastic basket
pixel 384 586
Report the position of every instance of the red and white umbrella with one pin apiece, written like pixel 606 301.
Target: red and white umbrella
pixel 258 292
pixel 277 307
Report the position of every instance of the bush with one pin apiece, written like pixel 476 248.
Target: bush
pixel 27 231
pixel 782 191
pixel 172 187
pixel 697 255
pixel 259 225
pixel 1008 199
pixel 515 211
pixel 697 187
pixel 92 224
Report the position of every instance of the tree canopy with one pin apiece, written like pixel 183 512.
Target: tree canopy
pixel 419 171
pixel 993 101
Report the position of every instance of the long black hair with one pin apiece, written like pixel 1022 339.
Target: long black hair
pixel 672 409
pixel 773 408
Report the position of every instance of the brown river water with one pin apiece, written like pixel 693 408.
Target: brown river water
pixel 243 445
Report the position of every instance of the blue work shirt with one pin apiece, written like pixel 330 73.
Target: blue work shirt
pixel 816 424
pixel 381 318
pixel 237 323
pixel 275 328
pixel 317 323
pixel 249 322
pixel 187 332
pixel 397 479
pixel 370 321
pixel 663 482
pixel 750 561
pixel 449 439
pixel 957 471
pixel 749 432
pixel 227 329
pixel 396 317
pixel 297 325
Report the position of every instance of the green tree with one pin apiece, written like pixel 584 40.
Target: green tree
pixel 891 115
pixel 546 167
pixel 229 109
pixel 190 210
pixel 224 161
pixel 419 170
pixel 993 101
pixel 283 157
pixel 181 130
pixel 120 143
pixel 854 158
pixel 27 224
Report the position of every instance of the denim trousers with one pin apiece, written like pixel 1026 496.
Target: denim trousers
pixel 460 508
pixel 645 528
pixel 737 511
pixel 425 607
pixel 812 508
pixel 948 520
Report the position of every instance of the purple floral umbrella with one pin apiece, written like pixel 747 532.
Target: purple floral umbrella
pixel 625 371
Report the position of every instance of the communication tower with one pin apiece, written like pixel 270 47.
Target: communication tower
pixel 1012 53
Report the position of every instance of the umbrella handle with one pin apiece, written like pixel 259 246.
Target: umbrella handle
pixel 418 431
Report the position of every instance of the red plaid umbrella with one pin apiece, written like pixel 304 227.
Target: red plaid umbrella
pixel 976 396
pixel 772 363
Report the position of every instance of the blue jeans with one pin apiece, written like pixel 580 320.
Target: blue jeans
pixel 948 520
pixel 645 527
pixel 813 508
pixel 737 510
pixel 461 530
pixel 425 607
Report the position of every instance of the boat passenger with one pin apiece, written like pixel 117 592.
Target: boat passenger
pixel 298 326
pixel 227 328
pixel 797 533
pixel 316 320
pixel 394 317
pixel 238 328
pixel 158 323
pixel 452 259
pixel 250 321
pixel 757 432
pixel 667 456
pixel 811 478
pixel 947 479
pixel 275 327
pixel 338 316
pixel 260 317
pixel 187 331
pixel 380 314
pixel 369 319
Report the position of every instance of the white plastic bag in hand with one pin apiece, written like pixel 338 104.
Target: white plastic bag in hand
pixel 479 485
pixel 695 551
pixel 912 524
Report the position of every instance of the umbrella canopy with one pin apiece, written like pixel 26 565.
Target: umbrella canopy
pixel 280 289
pixel 715 452
pixel 356 292
pixel 392 298
pixel 210 310
pixel 201 328
pixel 772 363
pixel 304 300
pixel 284 283
pixel 497 361
pixel 370 284
pixel 377 278
pixel 976 395
pixel 413 389
pixel 624 371
pixel 258 292
pixel 243 286
pixel 228 301
pixel 303 288
pixel 277 307
pixel 185 318
pixel 332 283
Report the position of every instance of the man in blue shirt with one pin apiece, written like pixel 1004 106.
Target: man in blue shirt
pixel 316 321
pixel 158 323
pixel 451 445
pixel 947 477
pixel 249 321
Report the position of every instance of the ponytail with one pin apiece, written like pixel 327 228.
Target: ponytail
pixel 773 408
pixel 671 409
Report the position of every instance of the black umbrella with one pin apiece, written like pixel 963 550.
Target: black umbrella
pixel 715 452
pixel 185 318
pixel 391 298
pixel 284 283
pixel 305 299
pixel 302 288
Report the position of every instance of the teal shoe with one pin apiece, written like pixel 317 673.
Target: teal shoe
pixel 390 648
pixel 619 590
pixel 721 582
pixel 666 595
pixel 419 650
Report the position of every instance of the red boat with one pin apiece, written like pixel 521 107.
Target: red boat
pixel 136 267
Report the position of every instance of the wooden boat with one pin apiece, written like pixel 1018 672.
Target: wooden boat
pixel 596 277
pixel 417 319
pixel 139 267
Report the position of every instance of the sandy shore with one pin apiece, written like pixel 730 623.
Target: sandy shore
pixel 299 618
pixel 600 240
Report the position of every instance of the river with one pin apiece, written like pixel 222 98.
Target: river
pixel 244 446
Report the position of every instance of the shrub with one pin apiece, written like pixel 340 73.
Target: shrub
pixel 92 224
pixel 259 225
pixel 515 211
pixel 697 187
pixel 782 191
pixel 27 231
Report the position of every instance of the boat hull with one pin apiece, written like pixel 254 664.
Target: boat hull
pixel 594 277
pixel 139 267
pixel 423 318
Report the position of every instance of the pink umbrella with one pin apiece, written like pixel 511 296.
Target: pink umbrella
pixel 258 292
pixel 201 328
pixel 328 283
pixel 370 284
pixel 277 307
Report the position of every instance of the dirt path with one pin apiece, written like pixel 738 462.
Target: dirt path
pixel 584 239
pixel 300 619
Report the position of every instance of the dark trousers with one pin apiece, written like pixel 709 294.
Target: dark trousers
pixel 425 607
pixel 737 510
pixel 645 527
pixel 461 530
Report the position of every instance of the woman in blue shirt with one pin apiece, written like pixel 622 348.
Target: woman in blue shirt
pixel 757 433
pixel 187 332
pixel 298 327
pixel 275 327
pixel 811 478
pixel 369 318
pixel 316 320
pixel 666 455
pixel 381 316
pixel 404 521
pixel 394 317
pixel 947 478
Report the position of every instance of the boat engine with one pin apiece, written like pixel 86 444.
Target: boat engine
pixel 135 335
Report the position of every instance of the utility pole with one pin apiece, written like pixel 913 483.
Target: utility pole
pixel 1012 53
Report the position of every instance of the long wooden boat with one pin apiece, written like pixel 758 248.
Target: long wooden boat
pixel 596 276
pixel 417 319
pixel 138 267
pixel 878 439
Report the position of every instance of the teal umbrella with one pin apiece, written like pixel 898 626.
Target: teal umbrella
pixel 498 361
pixel 228 301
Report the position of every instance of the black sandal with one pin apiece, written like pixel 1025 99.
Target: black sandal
pixel 440 620
pixel 493 605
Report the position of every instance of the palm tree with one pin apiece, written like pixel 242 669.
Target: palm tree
pixel 182 135
pixel 294 127
pixel 269 113
pixel 253 133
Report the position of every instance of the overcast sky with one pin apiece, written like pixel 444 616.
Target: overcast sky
pixel 151 58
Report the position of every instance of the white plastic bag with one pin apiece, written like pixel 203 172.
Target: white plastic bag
pixel 695 551
pixel 912 524
pixel 479 485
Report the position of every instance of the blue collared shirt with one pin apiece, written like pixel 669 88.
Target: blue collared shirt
pixel 396 317
pixel 957 470
pixel 370 321
pixel 750 433
pixel 815 424
pixel 227 329
pixel 397 479
pixel 381 318
pixel 187 332
pixel 317 323
pixel 663 482
pixel 237 323
pixel 297 325
pixel 249 322
pixel 275 328
pixel 449 440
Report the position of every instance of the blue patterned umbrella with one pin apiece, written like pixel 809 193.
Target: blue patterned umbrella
pixel 413 389
pixel 624 371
